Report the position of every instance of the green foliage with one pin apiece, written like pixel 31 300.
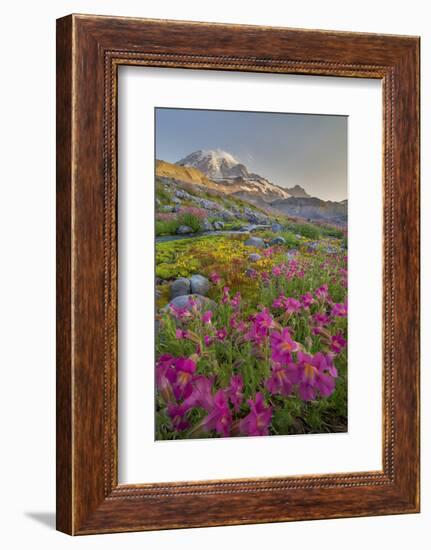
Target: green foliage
pixel 291 239
pixel 306 230
pixel 331 231
pixel 166 227
pixel 162 194
pixel 191 220
pixel 169 227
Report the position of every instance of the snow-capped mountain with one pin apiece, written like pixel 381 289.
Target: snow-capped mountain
pixel 215 164
pixel 222 167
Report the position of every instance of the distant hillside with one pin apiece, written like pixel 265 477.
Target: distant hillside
pixel 313 208
pixel 182 173
pixel 297 191
pixel 220 172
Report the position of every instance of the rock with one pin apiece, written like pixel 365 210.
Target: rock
pixel 257 242
pixel 292 253
pixel 206 204
pixel 226 215
pixel 167 208
pixel 277 240
pixel 207 226
pixel 331 250
pixel 218 225
pixel 254 257
pixel 180 287
pixel 250 272
pixel 276 227
pixel 180 194
pixel 312 247
pixel 184 230
pixel 199 285
pixel 176 200
pixel 183 302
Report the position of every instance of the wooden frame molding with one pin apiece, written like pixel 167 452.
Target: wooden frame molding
pixel 89 51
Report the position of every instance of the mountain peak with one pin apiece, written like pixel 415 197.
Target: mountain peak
pixel 214 163
pixel 297 191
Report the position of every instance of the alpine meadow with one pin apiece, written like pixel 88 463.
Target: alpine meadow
pixel 250 274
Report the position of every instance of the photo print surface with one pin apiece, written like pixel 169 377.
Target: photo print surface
pixel 250 273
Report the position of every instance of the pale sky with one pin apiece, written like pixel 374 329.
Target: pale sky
pixel 287 149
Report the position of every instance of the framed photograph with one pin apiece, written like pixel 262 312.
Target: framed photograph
pixel 237 274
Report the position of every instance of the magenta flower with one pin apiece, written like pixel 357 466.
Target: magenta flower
pixel 215 278
pixel 225 298
pixel 201 395
pixel 339 310
pixel 185 368
pixel 278 270
pixel 307 299
pixel 258 420
pixel 177 416
pixel 337 342
pixel 292 305
pixel 181 334
pixel 236 300
pixel 321 319
pixel 265 277
pixel 221 334
pixel 208 340
pixel 220 416
pixel 165 376
pixel 315 374
pixel 206 317
pixel 237 324
pixel 179 312
pixel 322 293
pixel 235 391
pixel 282 379
pixel 260 327
pixel 280 302
pixel 264 321
pixel 282 346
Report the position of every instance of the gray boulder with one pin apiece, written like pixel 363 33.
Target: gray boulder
pixel 250 272
pixel 183 302
pixel 167 208
pixel 277 240
pixel 207 225
pixel 184 230
pixel 276 227
pixel 292 253
pixel 226 215
pixel 218 225
pixel 254 257
pixel 199 285
pixel 257 242
pixel 180 287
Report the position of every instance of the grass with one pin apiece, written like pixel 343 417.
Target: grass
pixel 305 230
pixel 162 194
pixel 169 227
